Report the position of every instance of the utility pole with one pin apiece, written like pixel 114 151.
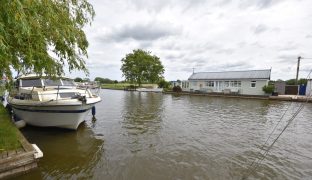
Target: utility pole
pixel 297 74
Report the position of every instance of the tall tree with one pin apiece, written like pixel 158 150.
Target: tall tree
pixel 43 35
pixel 140 66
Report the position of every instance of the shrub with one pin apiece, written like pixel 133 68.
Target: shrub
pixel 268 89
pixel 177 89
pixel 163 84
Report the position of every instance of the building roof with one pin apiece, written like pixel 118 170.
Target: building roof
pixel 229 75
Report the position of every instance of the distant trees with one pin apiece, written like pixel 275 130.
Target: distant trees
pixel 290 81
pixel 98 79
pixel 105 80
pixel 293 81
pixel 78 79
pixel 140 66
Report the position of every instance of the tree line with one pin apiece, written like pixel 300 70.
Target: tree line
pixel 97 79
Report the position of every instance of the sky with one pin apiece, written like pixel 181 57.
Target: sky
pixel 209 36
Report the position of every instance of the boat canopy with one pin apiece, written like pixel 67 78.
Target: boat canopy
pixel 38 82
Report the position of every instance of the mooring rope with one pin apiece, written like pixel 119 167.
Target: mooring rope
pixel 258 161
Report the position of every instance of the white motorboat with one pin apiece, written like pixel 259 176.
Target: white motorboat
pixel 44 102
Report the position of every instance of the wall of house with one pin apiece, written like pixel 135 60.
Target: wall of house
pixel 245 87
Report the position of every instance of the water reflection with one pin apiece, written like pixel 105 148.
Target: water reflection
pixel 73 153
pixel 142 112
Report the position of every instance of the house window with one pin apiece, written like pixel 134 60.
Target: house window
pixel 253 84
pixel 226 83
pixel 210 83
pixel 194 83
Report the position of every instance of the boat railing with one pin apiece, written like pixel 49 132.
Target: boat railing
pixel 55 95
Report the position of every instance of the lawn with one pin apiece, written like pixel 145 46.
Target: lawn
pixel 9 135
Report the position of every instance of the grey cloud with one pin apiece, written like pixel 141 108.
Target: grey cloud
pixel 174 56
pixel 239 65
pixel 100 66
pixel 257 44
pixel 261 4
pixel 309 36
pixel 159 5
pixel 260 29
pixel 225 51
pixel 287 58
pixel 143 32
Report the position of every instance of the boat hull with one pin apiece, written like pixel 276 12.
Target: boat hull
pixel 69 117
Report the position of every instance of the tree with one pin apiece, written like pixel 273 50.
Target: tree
pixel 140 66
pixel 104 80
pixel 163 84
pixel 78 79
pixel 293 81
pixel 43 36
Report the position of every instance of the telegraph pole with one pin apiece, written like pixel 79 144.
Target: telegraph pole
pixel 297 74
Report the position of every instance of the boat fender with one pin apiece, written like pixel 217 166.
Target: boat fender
pixel 93 111
pixel 19 123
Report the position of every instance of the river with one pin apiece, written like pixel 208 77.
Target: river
pixel 158 136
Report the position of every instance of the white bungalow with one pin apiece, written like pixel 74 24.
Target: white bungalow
pixel 238 82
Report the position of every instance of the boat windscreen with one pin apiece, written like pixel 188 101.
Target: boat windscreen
pixel 31 83
pixel 50 82
pixel 68 82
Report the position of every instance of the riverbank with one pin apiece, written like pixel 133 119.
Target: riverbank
pixel 123 86
pixel 292 98
pixel 17 155
pixel 9 139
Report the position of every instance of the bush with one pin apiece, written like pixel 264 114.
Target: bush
pixel 268 89
pixel 177 89
pixel 163 84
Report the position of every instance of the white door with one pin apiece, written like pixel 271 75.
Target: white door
pixel 219 86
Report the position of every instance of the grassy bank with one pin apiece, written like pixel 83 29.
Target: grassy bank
pixel 9 136
pixel 121 86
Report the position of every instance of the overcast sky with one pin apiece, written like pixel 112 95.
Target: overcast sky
pixel 206 35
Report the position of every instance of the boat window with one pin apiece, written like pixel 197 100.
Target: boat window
pixel 68 95
pixel 68 82
pixel 50 82
pixel 31 83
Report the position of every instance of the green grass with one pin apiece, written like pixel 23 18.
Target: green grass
pixel 9 135
pixel 122 85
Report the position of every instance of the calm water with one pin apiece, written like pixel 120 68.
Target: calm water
pixel 157 136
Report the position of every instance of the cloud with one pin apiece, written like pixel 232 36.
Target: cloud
pixel 308 36
pixel 142 32
pixel 260 4
pixel 260 29
pixel 206 35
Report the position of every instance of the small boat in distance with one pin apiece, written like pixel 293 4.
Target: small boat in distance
pixel 41 101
